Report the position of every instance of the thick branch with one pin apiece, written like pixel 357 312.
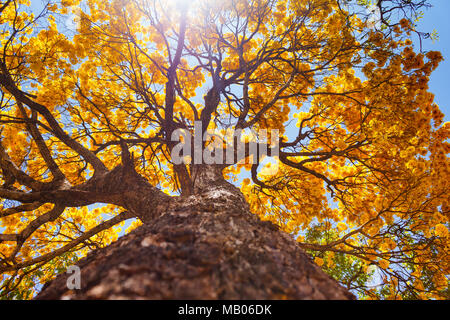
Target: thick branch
pixel 171 76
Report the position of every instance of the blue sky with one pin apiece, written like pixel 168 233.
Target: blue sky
pixel 437 18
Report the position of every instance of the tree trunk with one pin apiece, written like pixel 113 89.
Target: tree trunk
pixel 204 246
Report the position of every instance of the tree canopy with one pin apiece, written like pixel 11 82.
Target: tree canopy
pixel 89 87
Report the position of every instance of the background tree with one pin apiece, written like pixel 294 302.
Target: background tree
pixel 87 116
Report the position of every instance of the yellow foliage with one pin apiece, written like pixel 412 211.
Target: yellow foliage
pixel 369 163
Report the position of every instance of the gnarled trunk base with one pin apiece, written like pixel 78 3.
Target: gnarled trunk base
pixel 205 246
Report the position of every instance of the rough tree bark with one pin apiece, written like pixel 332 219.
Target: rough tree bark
pixel 204 246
